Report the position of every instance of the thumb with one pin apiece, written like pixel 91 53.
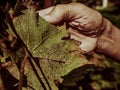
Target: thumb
pixel 86 43
pixel 54 15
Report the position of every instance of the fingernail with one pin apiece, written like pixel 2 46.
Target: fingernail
pixel 75 23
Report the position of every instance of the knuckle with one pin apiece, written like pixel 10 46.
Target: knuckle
pixel 60 7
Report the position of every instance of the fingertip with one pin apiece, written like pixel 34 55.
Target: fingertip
pixel 49 19
pixel 41 13
pixel 44 12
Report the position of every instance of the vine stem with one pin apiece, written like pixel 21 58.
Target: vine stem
pixel 22 73
pixel 2 87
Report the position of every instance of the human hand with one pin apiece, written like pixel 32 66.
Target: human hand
pixel 83 23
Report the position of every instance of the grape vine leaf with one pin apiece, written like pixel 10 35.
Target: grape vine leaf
pixel 56 57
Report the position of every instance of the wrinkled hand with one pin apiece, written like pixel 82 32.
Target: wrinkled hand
pixel 83 23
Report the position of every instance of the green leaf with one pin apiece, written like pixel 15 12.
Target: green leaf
pixel 56 57
pixel 75 75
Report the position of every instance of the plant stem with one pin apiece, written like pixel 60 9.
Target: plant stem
pixel 22 73
pixel 2 87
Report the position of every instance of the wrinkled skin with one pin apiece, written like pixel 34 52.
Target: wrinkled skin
pixel 83 23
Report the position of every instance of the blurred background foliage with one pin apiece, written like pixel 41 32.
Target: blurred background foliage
pixel 104 76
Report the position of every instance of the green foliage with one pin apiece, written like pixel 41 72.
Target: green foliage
pixel 71 79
